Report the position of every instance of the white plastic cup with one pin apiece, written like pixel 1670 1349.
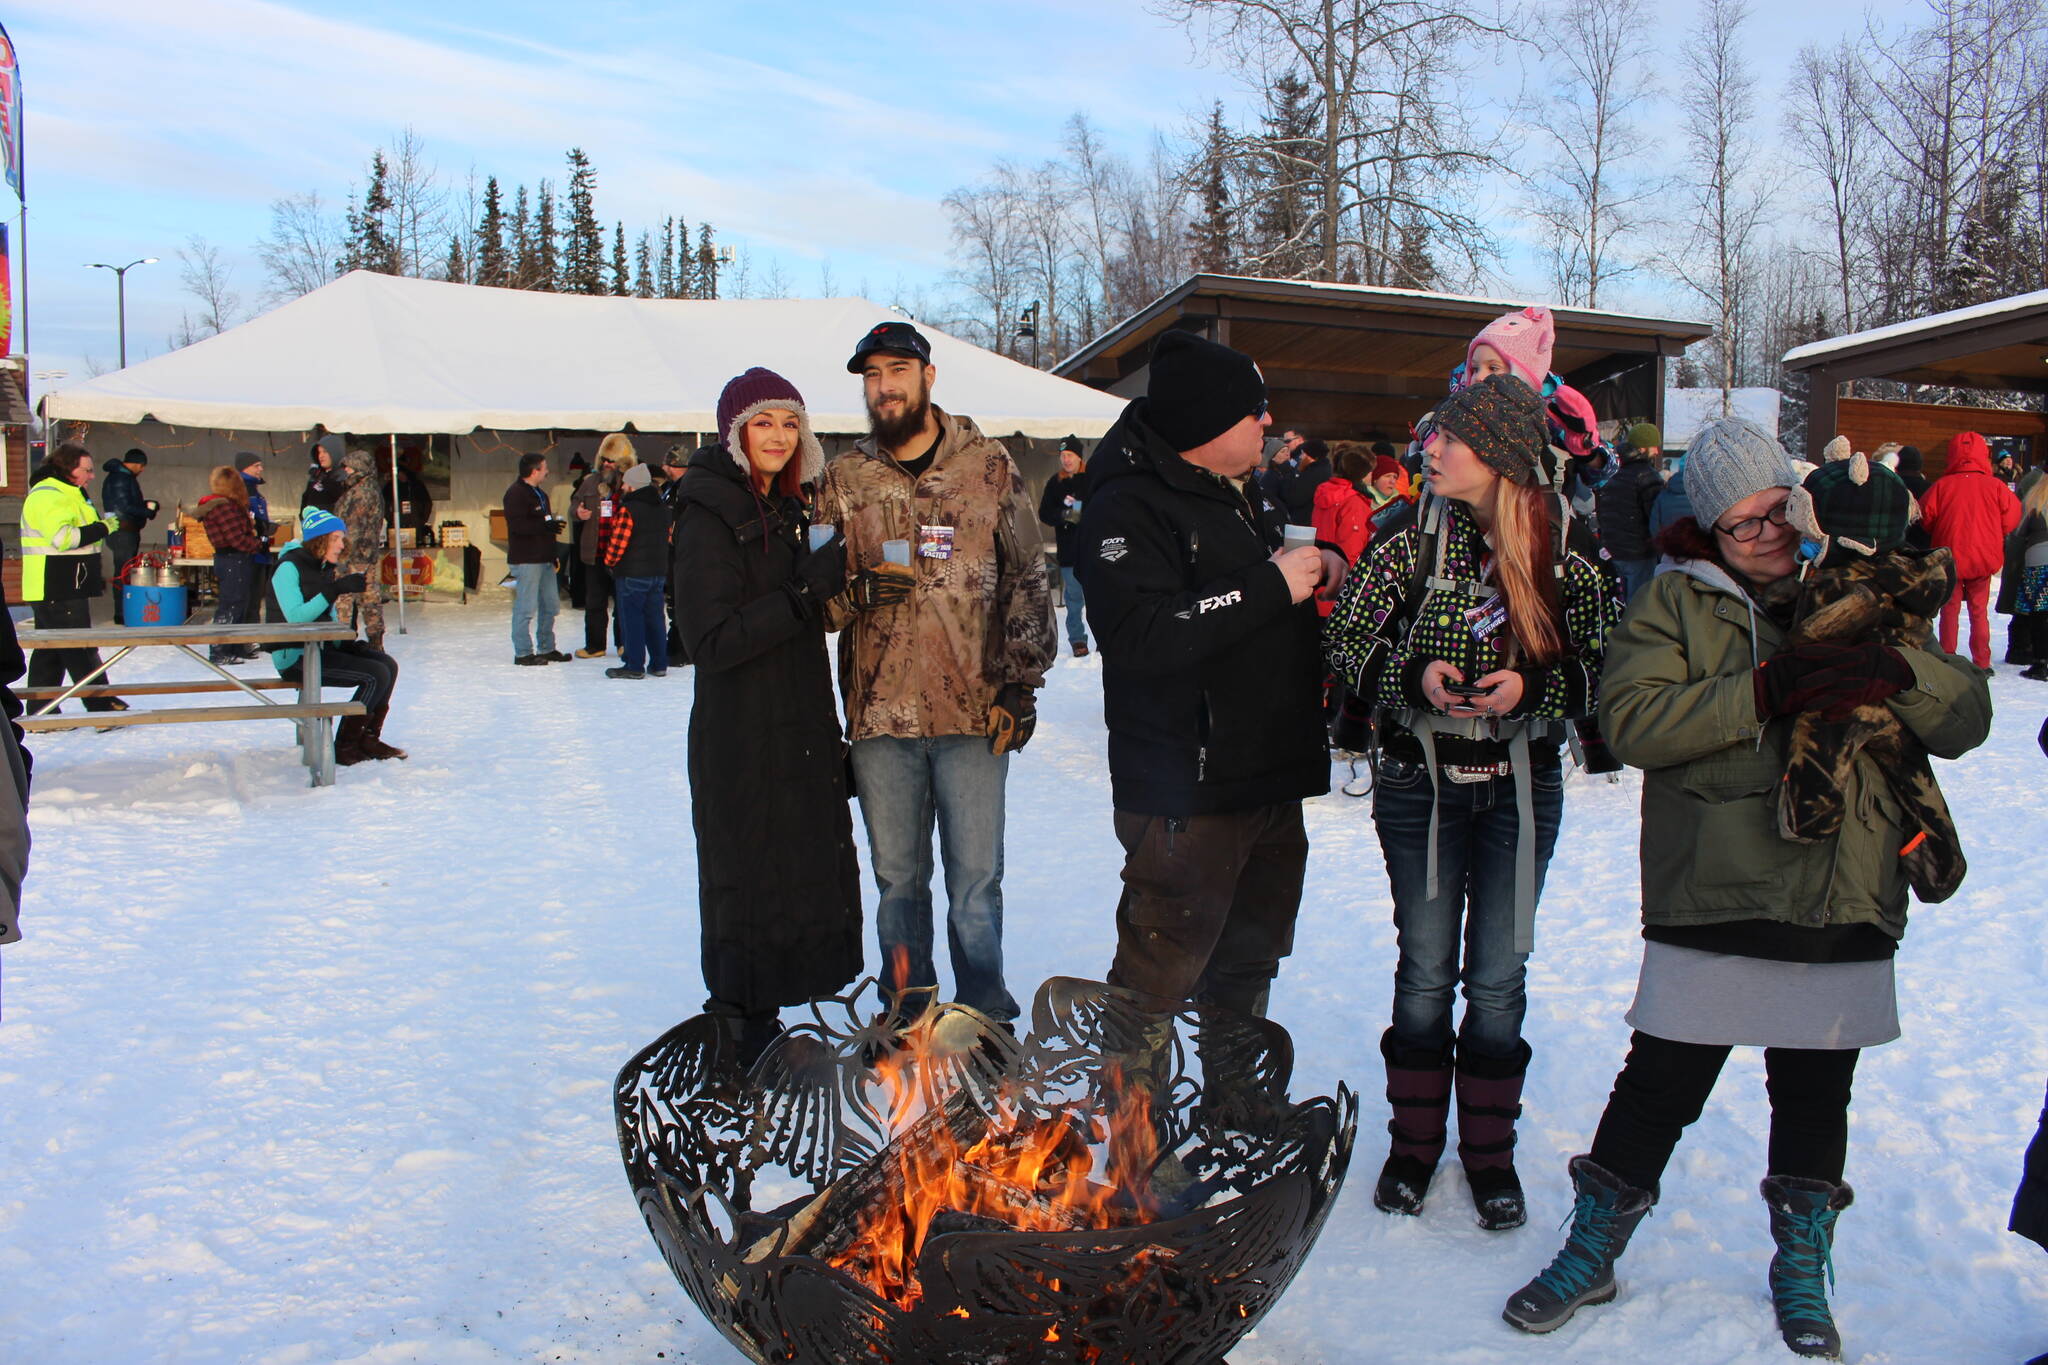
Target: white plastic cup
pixel 896 552
pixel 1295 537
pixel 821 536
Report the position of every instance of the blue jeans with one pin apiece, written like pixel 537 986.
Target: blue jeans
pixel 1077 623
pixel 642 622
pixel 1635 576
pixel 535 600
pixel 906 786
pixel 1478 825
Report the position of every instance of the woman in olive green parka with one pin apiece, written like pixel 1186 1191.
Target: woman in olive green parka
pixel 1750 939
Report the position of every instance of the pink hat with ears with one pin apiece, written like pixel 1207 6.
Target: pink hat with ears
pixel 1524 340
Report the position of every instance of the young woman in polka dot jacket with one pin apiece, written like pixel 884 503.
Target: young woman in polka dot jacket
pixel 1478 659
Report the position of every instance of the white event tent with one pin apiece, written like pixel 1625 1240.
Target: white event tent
pixel 372 354
pixel 387 357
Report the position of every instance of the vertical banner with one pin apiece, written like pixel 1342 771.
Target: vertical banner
pixel 6 295
pixel 10 114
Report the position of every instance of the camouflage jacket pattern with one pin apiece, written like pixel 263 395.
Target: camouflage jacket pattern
pixel 977 619
pixel 361 508
pixel 1889 599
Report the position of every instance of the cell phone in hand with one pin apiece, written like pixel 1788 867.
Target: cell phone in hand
pixel 1458 689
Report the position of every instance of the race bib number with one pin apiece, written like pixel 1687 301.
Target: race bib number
pixel 934 542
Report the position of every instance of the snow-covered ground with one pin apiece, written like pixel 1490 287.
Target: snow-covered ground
pixel 315 1076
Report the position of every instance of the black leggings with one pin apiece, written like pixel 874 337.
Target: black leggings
pixel 1664 1085
pixel 352 663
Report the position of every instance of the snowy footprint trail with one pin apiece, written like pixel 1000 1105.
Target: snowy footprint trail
pixel 295 1076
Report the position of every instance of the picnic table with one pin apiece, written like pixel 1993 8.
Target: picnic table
pixel 313 717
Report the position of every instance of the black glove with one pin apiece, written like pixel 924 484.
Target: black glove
pixel 345 584
pixel 1012 716
pixel 1828 678
pixel 1593 747
pixel 1352 729
pixel 822 572
pixel 884 585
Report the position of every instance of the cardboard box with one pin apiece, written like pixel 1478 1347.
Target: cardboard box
pixel 198 545
pixel 455 535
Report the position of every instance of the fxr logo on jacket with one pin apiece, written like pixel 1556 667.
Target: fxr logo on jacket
pixel 1225 599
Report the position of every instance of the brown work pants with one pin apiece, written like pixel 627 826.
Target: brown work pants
pixel 1208 905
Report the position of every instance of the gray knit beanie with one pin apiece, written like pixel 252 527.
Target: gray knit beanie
pixel 1728 461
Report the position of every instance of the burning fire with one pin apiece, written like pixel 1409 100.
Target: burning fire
pixel 1028 1174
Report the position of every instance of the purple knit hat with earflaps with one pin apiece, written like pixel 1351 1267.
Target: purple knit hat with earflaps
pixel 755 391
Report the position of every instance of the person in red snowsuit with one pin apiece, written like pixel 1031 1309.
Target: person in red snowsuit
pixel 1971 512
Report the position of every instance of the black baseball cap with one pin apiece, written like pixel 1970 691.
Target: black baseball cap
pixel 895 338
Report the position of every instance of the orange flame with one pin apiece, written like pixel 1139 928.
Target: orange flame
pixel 1030 1175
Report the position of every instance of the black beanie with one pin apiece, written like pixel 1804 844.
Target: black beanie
pixel 1501 418
pixel 135 457
pixel 1198 390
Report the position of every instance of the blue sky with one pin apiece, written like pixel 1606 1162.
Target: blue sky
pixel 807 132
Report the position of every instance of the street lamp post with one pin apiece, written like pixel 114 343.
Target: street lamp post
pixel 121 297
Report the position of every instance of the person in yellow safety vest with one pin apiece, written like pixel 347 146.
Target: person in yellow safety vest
pixel 60 565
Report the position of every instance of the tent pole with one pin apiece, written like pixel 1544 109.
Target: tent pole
pixel 397 533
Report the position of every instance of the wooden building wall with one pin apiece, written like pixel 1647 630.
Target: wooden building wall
pixel 1870 422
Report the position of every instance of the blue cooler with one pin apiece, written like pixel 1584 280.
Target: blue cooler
pixel 152 606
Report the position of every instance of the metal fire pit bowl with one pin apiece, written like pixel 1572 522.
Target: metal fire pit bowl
pixel 722 1163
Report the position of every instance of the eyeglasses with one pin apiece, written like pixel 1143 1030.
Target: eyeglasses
pixel 1749 528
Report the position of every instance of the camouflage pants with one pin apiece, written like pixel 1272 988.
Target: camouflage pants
pixel 365 610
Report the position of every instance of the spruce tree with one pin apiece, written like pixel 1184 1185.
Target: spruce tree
pixel 368 244
pixel 665 278
pixel 456 271
pixel 547 270
pixel 1212 237
pixel 1283 231
pixel 526 262
pixel 492 266
pixel 620 285
pixel 706 273
pixel 643 267
pixel 686 268
pixel 583 241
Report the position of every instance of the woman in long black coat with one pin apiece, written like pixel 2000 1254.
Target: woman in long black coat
pixel 778 887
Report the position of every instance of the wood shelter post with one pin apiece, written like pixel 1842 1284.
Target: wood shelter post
pixel 397 534
pixel 1822 415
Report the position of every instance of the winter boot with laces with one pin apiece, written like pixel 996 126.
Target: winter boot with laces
pixel 1489 1103
pixel 1419 1089
pixel 1603 1219
pixel 1803 1214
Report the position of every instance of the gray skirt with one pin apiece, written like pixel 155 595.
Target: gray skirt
pixel 1689 996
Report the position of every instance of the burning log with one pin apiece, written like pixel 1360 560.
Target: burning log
pixel 823 1225
pixel 1080 1219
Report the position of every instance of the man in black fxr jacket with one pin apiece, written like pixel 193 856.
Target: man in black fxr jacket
pixel 1212 683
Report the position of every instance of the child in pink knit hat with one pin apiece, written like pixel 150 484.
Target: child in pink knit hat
pixel 1516 343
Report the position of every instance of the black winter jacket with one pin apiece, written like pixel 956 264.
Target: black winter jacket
pixel 121 496
pixel 324 487
pixel 1623 508
pixel 1212 677
pixel 1298 494
pixel 646 553
pixel 778 890
pixel 530 526
pixel 1052 510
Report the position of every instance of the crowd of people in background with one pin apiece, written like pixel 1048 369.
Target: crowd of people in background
pixel 1518 582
